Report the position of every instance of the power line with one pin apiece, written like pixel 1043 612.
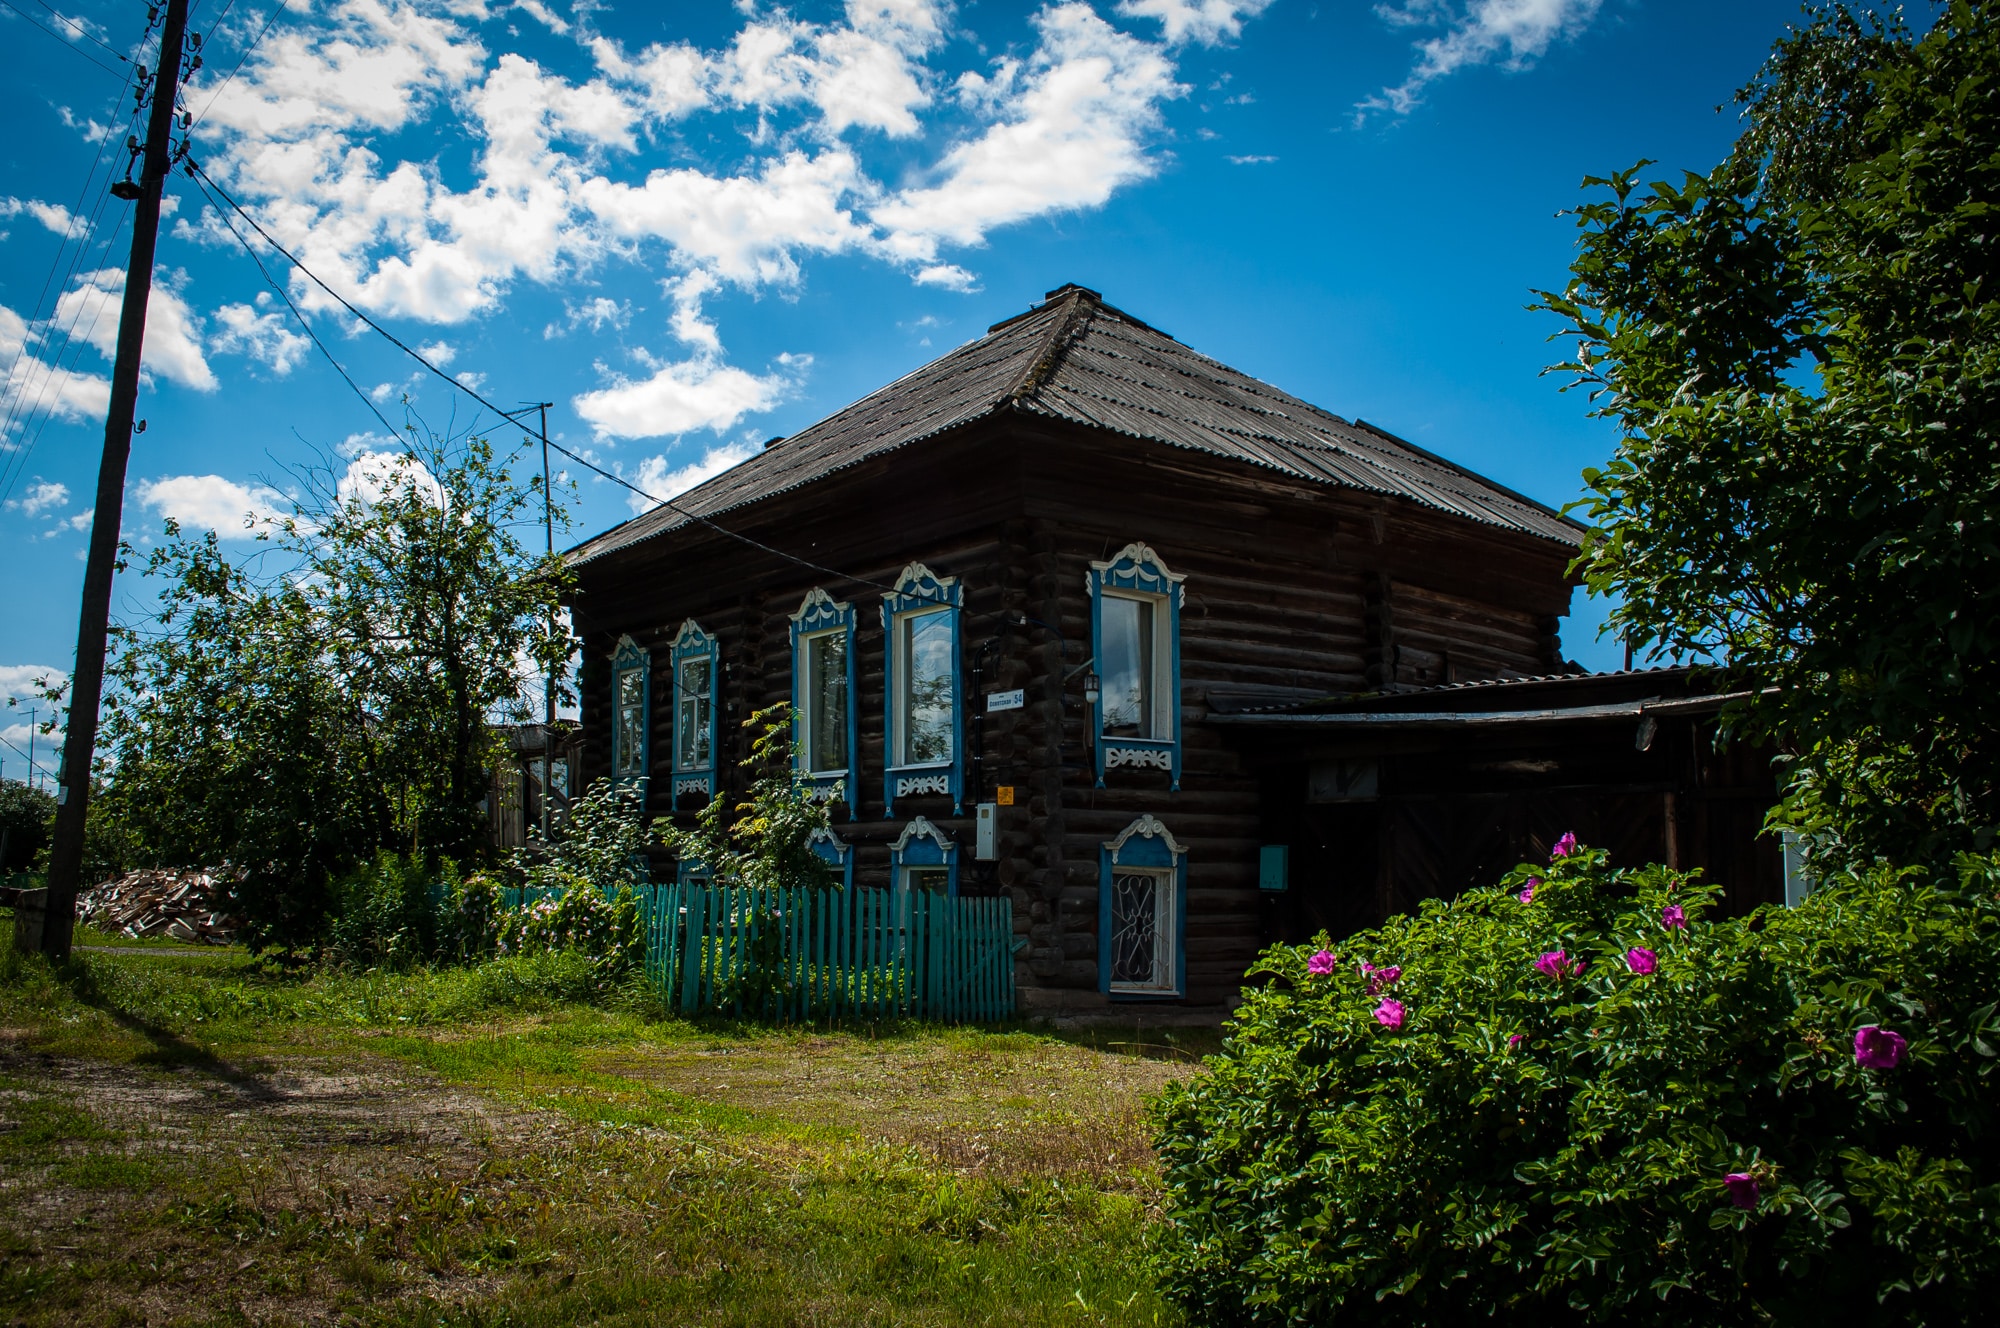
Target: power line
pixel 66 42
pixel 84 31
pixel 194 168
pixel 11 473
pixel 240 60
pixel 285 295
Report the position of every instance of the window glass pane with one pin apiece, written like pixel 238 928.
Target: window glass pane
pixel 926 719
pixel 1141 931
pixel 631 723
pixel 826 680
pixel 935 879
pixel 1125 666
pixel 695 731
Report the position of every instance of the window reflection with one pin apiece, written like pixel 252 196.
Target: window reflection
pixel 1125 666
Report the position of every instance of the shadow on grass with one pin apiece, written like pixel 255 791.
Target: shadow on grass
pixel 169 1049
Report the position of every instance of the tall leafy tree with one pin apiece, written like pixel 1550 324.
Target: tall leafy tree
pixel 331 696
pixel 1801 350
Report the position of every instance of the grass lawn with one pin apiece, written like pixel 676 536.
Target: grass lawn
pixel 192 1138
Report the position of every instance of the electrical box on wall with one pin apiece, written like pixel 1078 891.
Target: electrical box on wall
pixel 987 844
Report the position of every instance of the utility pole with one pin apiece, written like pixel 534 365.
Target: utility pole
pixel 32 713
pixel 93 622
pixel 549 679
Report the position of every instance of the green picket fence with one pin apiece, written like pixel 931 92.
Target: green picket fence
pixel 802 954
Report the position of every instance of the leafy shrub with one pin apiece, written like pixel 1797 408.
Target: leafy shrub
pixel 769 843
pixel 605 928
pixel 388 912
pixel 26 813
pixel 1583 1099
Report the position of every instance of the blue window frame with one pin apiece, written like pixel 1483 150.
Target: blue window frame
pixel 696 661
pixel 1142 914
pixel 693 871
pixel 836 853
pixel 1135 642
pixel 631 711
pixel 923 858
pixel 923 712
pixel 826 733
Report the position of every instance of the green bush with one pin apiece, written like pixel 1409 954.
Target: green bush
pixel 1585 1099
pixel 606 928
pixel 388 913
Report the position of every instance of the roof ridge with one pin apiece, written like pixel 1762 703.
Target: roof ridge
pixel 1062 334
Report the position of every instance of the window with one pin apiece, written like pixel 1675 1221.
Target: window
pixel 823 719
pixel 1125 665
pixel 1142 899
pixel 924 688
pixel 1142 930
pixel 836 853
pixel 695 669
pixel 1135 609
pixel 630 667
pixel 924 858
pixel 923 740
pixel 826 703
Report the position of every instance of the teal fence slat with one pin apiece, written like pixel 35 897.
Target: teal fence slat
pixel 872 953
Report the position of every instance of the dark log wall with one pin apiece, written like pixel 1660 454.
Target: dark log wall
pixel 1293 591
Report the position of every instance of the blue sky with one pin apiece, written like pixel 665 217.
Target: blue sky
pixel 693 226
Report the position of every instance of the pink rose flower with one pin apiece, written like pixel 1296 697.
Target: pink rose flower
pixel 1742 1187
pixel 1516 1039
pixel 1673 916
pixel 1564 846
pixel 1557 964
pixel 1528 890
pixel 1379 978
pixel 1389 1014
pixel 1878 1048
pixel 1320 964
pixel 1641 960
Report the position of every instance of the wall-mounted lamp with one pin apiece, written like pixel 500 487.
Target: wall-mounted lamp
pixel 1090 688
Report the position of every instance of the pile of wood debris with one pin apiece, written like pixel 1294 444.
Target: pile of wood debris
pixel 181 904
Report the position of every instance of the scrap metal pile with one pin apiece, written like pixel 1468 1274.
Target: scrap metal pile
pixel 181 905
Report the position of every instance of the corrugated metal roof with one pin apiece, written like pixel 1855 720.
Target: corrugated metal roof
pixel 1077 359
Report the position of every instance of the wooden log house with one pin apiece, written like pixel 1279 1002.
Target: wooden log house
pixel 1031 574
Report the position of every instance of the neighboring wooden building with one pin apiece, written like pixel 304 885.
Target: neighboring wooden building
pixel 1031 574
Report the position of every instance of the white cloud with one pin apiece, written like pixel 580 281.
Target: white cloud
pixel 372 474
pixel 600 312
pixel 662 483
pixel 1255 159
pixel 22 683
pixel 313 135
pixel 65 394
pixel 173 331
pixel 209 502
pixel 440 353
pixel 746 229
pixel 1072 137
pixel 53 216
pixel 1204 21
pixel 262 337
pixel 39 497
pixel 685 396
pixel 1515 32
